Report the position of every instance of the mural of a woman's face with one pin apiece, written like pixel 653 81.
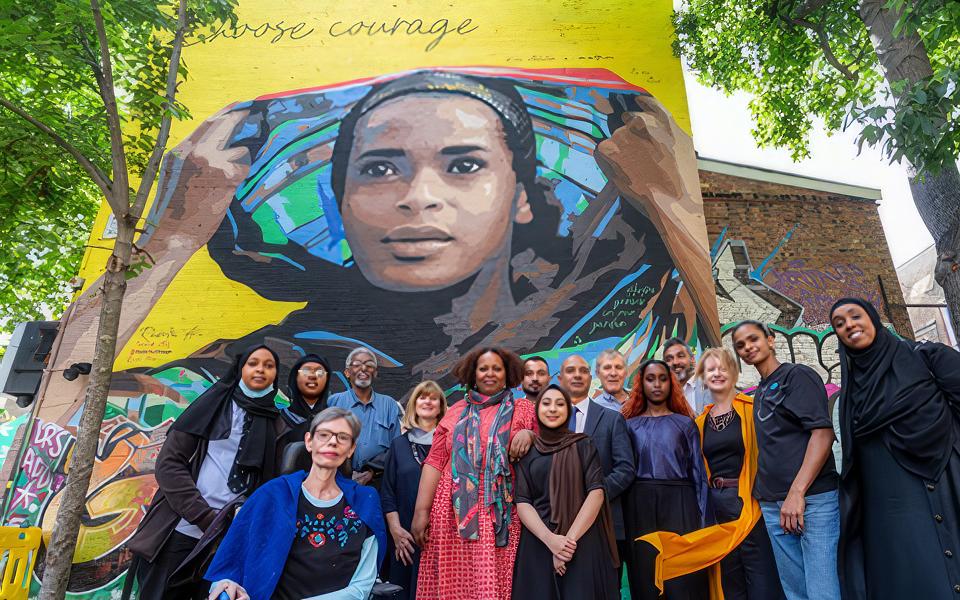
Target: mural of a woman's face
pixel 430 193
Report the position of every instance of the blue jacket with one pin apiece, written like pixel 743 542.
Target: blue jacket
pixel 256 546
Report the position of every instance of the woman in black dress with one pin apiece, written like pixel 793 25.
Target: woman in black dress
pixel 670 491
pixel 401 479
pixel 567 545
pixel 900 483
pixel 749 571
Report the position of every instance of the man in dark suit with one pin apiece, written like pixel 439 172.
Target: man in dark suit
pixel 608 431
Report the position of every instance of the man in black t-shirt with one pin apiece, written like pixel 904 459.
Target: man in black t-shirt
pixel 796 482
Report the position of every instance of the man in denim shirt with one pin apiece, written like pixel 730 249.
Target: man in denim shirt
pixel 379 415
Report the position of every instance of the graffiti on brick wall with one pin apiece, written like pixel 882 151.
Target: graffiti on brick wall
pixel 817 288
pixel 794 300
pixel 813 288
pixel 121 486
pixel 742 295
pixel 785 294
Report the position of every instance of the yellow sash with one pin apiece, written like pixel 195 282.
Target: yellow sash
pixel 703 548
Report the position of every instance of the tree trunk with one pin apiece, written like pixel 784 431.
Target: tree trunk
pixel 63 540
pixel 904 58
pixel 938 201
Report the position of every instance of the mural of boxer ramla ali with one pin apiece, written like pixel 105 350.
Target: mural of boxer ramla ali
pixel 425 213
pixel 421 214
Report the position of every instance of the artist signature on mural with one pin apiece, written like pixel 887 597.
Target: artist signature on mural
pixel 153 334
pixel 273 33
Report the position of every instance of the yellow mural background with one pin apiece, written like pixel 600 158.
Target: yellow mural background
pixel 630 38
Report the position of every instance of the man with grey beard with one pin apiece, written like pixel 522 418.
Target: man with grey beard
pixel 680 359
pixel 379 415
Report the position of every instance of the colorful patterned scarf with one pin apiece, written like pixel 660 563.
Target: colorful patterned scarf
pixel 467 461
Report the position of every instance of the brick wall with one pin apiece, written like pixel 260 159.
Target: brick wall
pixel 819 246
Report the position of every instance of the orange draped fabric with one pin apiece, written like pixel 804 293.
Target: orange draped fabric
pixel 697 550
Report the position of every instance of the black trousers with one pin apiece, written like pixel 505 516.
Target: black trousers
pixel 153 577
pixel 749 572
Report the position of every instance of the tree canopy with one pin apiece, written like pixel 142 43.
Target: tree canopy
pixel 50 70
pixel 807 59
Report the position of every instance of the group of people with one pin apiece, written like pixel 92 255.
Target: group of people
pixel 682 486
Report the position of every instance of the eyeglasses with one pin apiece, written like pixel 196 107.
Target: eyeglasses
pixel 323 436
pixel 318 372
pixel 369 364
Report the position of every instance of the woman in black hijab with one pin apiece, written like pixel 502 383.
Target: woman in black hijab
pixel 900 483
pixel 567 546
pixel 307 388
pixel 223 446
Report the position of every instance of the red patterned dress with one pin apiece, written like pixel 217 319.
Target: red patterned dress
pixel 452 568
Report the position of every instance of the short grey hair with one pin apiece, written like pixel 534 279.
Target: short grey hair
pixel 332 414
pixel 361 350
pixel 610 354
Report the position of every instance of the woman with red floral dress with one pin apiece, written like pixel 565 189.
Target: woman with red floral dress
pixel 465 519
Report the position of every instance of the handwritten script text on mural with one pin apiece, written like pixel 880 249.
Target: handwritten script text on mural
pixel 276 32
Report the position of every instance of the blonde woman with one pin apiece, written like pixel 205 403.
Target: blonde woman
pixel 401 479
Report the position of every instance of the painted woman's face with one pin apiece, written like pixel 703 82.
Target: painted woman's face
pixel 430 194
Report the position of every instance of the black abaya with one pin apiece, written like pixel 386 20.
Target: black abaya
pixel 900 512
pixel 900 484
pixel 591 573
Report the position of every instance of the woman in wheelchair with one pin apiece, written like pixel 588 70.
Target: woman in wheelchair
pixel 306 536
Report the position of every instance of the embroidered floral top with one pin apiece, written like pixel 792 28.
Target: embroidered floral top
pixel 327 550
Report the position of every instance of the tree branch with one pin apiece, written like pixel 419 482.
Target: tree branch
pixel 90 58
pixel 824 41
pixel 118 155
pixel 808 7
pixel 163 134
pixel 99 177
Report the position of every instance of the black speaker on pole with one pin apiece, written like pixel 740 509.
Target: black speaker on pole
pixel 26 358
